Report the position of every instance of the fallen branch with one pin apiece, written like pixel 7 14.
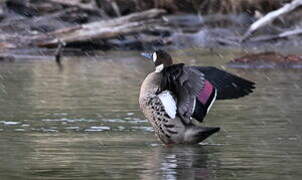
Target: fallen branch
pixel 270 17
pixel 278 36
pixel 129 24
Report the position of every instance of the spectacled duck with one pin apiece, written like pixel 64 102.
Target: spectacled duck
pixel 175 94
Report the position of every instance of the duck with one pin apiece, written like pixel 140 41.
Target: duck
pixel 175 98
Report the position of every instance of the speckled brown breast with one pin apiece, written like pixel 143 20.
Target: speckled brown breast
pixel 154 111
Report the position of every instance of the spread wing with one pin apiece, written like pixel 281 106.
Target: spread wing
pixel 229 86
pixel 185 83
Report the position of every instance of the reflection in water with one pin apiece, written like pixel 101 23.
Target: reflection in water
pixel 179 162
pixel 85 123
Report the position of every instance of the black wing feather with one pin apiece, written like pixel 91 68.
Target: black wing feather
pixel 185 83
pixel 229 86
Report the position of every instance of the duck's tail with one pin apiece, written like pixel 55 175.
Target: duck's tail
pixel 196 134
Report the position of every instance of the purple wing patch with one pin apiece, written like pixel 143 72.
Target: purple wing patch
pixel 205 100
pixel 206 92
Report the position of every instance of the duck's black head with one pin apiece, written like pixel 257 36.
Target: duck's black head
pixel 160 58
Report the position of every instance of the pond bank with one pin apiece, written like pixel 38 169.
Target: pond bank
pixel 39 27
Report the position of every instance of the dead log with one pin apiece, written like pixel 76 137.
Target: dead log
pixel 270 17
pixel 105 29
pixel 278 36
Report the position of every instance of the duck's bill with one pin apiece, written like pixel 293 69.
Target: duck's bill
pixel 147 55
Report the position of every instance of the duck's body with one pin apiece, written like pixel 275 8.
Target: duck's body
pixel 174 94
pixel 168 127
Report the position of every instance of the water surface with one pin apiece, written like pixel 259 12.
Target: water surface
pixel 84 123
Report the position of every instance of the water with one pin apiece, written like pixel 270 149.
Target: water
pixel 84 123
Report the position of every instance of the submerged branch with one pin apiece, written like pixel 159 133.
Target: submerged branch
pixel 58 54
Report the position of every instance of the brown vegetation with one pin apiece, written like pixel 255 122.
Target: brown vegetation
pixel 267 60
pixel 201 6
pixel 107 24
pixel 123 7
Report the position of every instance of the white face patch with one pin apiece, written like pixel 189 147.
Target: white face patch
pixel 159 68
pixel 169 103
pixel 154 56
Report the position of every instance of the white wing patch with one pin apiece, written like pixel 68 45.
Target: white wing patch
pixel 169 103
pixel 194 104
pixel 214 98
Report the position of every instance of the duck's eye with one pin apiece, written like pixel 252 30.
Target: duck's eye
pixel 154 56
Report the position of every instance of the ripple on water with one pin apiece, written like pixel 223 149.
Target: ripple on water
pixel 121 128
pixel 144 128
pixel 97 128
pixel 210 144
pixel 60 114
pixel 47 130
pixel 76 128
pixel 114 120
pixel 130 114
pixel 9 122
pixel 137 120
pixel 69 120
pixel 126 120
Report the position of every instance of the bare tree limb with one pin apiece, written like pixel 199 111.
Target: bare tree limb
pixel 132 23
pixel 270 17
pixel 278 36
